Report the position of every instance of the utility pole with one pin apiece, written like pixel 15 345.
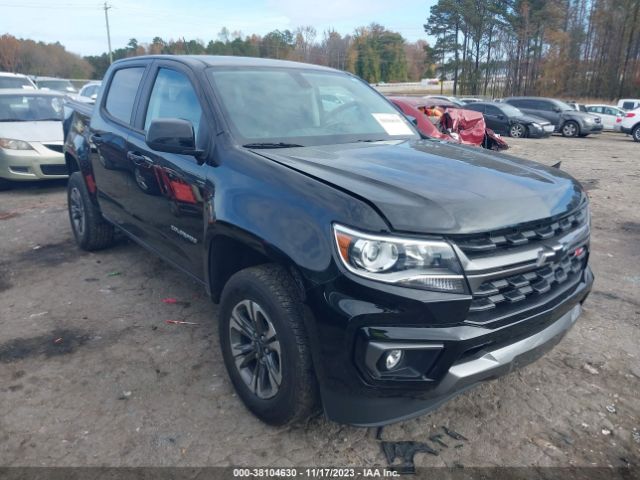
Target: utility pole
pixel 106 19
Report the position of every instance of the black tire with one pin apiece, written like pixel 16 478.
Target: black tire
pixel 90 230
pixel 279 307
pixel 635 133
pixel 518 130
pixel 570 129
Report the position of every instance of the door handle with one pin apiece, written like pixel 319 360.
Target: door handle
pixel 96 138
pixel 139 159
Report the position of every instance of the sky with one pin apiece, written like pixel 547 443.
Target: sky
pixel 80 25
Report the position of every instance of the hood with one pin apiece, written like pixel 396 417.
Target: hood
pixel 526 118
pixel 50 131
pixel 429 186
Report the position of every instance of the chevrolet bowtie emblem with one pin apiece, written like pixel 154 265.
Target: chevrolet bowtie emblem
pixel 550 254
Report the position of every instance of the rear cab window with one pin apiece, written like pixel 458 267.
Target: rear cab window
pixel 122 93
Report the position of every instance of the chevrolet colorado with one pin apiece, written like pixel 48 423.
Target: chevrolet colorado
pixel 359 267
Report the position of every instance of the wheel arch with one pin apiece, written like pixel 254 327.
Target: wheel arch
pixel 231 250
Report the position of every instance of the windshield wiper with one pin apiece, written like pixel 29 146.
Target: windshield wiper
pixel 271 145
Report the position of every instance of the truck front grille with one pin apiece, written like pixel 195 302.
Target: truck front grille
pixel 507 294
pixel 516 272
pixel 475 246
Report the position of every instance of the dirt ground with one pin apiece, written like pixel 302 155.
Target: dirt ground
pixel 90 373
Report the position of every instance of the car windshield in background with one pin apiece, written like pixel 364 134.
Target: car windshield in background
pixel 278 107
pixel 30 108
pixel 564 106
pixel 60 85
pixel 510 110
pixel 15 82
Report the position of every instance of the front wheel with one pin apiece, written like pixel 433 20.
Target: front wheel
pixel 265 345
pixel 90 230
pixel 635 133
pixel 518 130
pixel 570 129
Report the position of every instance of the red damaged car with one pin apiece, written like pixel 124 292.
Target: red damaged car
pixel 444 120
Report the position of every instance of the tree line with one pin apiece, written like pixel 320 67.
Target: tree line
pixel 567 48
pixel 372 52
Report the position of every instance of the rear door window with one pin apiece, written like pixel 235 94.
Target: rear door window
pixel 122 93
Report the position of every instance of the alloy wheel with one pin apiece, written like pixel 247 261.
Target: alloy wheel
pixel 569 130
pixel 256 349
pixel 517 130
pixel 77 211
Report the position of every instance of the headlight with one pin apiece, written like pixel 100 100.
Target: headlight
pixel 588 120
pixel 536 125
pixel 10 144
pixel 425 264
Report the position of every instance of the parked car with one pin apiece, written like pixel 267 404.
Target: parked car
pixel 608 114
pixel 566 120
pixel 468 100
pixel 357 265
pixel 629 103
pixel 30 136
pixel 452 124
pixel 580 107
pixel 55 84
pixel 630 124
pixel 456 101
pixel 506 119
pixel 90 90
pixel 15 80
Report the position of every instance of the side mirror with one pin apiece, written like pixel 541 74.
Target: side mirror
pixel 557 109
pixel 500 116
pixel 172 135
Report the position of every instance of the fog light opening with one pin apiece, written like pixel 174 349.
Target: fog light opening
pixel 392 358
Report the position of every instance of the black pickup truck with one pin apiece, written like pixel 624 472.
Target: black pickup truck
pixel 359 267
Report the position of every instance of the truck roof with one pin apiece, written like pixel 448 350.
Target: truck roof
pixel 226 60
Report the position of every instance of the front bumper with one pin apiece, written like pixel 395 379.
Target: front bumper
pixel 471 355
pixel 592 128
pixel 37 164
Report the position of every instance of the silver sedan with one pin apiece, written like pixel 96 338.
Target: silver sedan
pixel 31 136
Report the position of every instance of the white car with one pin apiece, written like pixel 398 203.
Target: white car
pixel 31 136
pixel 629 103
pixel 608 114
pixel 90 90
pixel 630 124
pixel 16 80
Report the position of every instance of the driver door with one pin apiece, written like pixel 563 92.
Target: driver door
pixel 169 190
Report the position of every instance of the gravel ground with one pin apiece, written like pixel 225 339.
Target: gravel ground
pixel 90 373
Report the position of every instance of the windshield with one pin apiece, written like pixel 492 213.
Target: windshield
pixel 293 106
pixel 30 108
pixel 61 85
pixel 15 82
pixel 510 110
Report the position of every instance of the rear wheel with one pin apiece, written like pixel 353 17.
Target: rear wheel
pixel 635 133
pixel 265 346
pixel 517 130
pixel 90 230
pixel 570 129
